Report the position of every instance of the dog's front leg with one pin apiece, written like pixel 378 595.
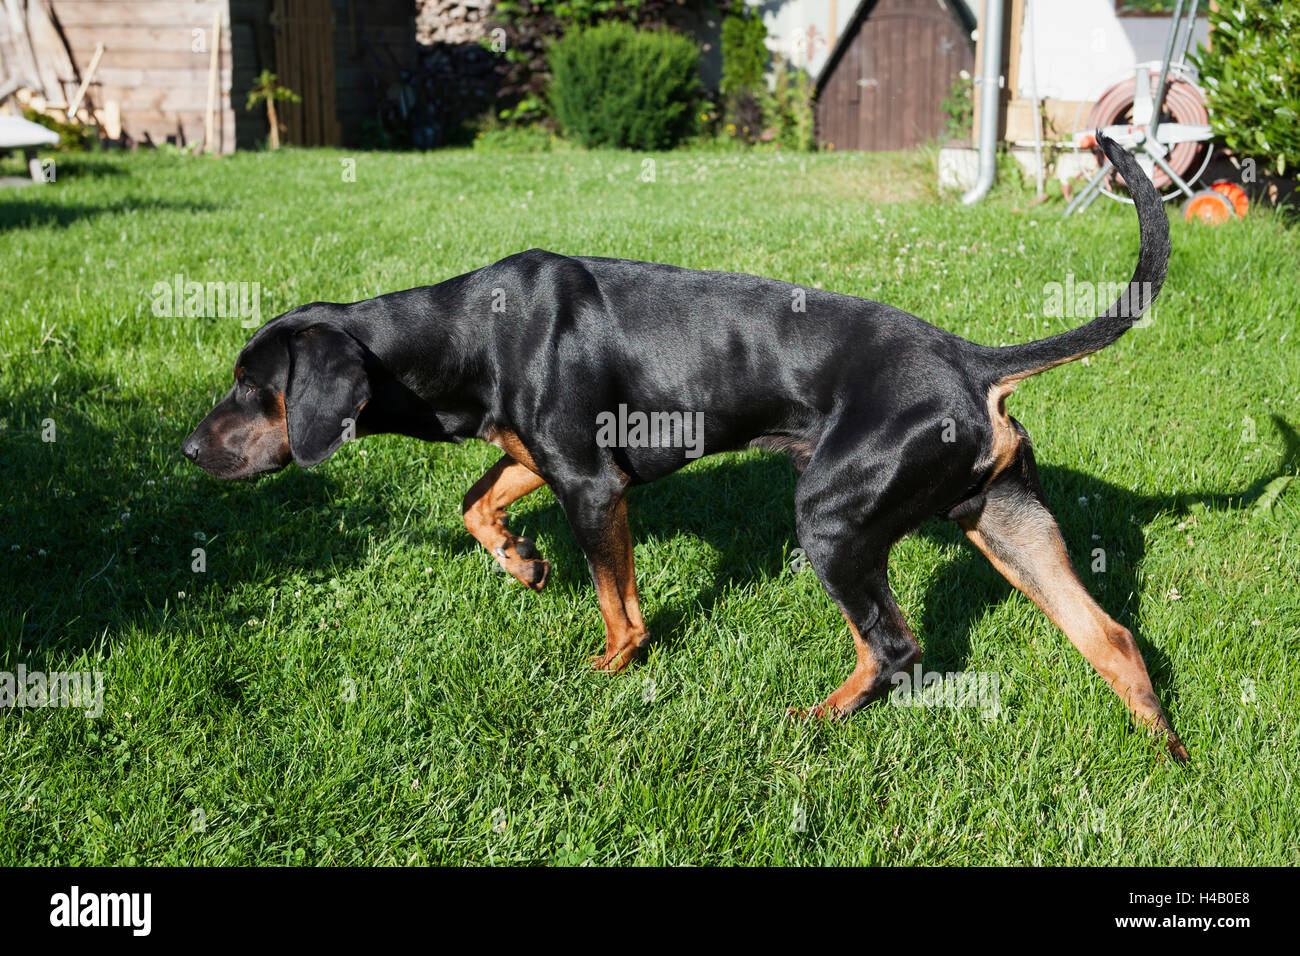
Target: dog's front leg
pixel 484 510
pixel 598 516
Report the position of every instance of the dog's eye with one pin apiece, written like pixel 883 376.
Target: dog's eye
pixel 248 388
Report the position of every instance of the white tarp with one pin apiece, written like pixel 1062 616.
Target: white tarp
pixel 18 133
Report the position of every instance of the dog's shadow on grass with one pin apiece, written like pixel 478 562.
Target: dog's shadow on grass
pixel 105 529
pixel 743 510
pixel 85 548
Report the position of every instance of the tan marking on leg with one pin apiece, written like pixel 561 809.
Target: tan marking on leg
pixel 1006 440
pixel 484 510
pixel 620 605
pixel 510 443
pixel 850 695
pixel 1022 541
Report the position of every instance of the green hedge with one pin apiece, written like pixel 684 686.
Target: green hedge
pixel 1251 76
pixel 616 86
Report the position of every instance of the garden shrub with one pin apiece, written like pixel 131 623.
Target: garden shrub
pixel 788 109
pixel 515 139
pixel 1251 77
pixel 753 111
pixel 528 28
pixel 616 86
pixel 73 137
pixel 959 109
pixel 744 61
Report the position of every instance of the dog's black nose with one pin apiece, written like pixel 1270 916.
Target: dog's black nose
pixel 191 450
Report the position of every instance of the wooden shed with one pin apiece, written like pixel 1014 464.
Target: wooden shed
pixel 886 77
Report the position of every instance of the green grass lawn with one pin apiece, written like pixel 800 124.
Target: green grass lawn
pixel 350 682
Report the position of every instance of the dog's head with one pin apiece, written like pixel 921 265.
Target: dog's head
pixel 299 387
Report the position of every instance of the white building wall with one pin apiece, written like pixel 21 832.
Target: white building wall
pixel 1080 47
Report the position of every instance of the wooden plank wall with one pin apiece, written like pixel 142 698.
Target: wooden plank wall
pixel 304 56
pixel 151 66
pixel 259 45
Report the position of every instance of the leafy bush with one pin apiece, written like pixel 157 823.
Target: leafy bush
pixel 616 86
pixel 753 111
pixel 440 98
pixel 1251 75
pixel 744 60
pixel 455 85
pixel 788 109
pixel 744 51
pixel 959 108
pixel 515 139
pixel 73 137
pixel 530 27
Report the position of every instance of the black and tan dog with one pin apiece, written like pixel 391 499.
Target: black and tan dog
pixel 889 420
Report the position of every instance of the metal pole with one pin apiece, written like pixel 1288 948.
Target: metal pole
pixel 1033 94
pixel 989 81
pixel 1154 124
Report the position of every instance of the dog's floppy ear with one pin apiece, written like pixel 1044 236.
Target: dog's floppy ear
pixel 328 387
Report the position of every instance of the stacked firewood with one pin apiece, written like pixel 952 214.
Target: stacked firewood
pixel 451 21
pixel 37 72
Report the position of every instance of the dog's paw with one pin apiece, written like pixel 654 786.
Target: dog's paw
pixel 611 662
pixel 533 574
pixel 820 712
pixel 618 658
pixel 522 561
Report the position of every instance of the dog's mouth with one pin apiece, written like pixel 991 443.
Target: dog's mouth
pixel 232 467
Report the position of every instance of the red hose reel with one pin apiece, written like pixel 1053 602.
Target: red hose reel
pixel 1184 107
pixel 1124 112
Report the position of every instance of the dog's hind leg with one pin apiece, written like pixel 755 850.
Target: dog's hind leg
pixel 843 530
pixel 883 642
pixel 484 510
pixel 1018 534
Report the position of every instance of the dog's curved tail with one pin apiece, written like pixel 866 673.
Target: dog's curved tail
pixel 1012 363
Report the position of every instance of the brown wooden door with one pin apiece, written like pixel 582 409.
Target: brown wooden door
pixel 304 60
pixel 893 72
